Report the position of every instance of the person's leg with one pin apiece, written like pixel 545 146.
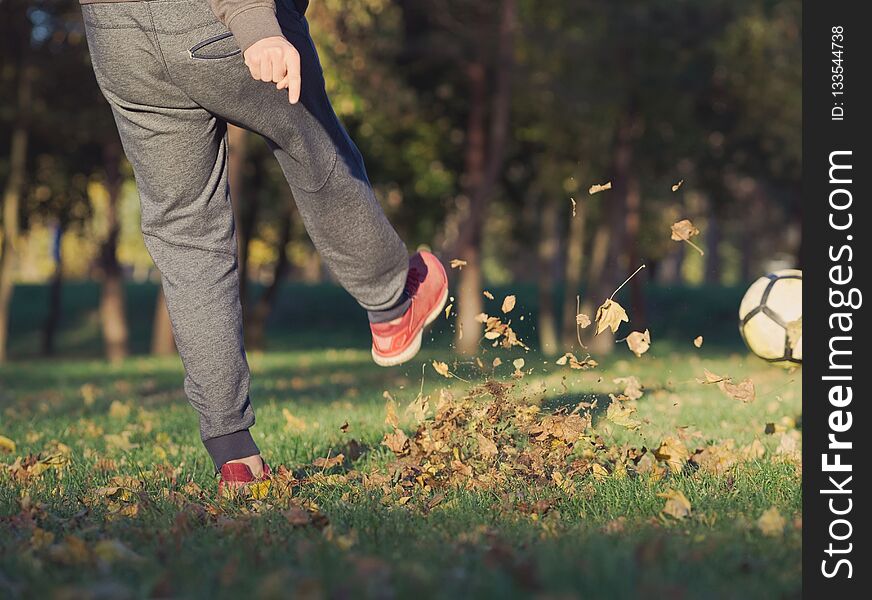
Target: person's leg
pixel 178 152
pixel 322 165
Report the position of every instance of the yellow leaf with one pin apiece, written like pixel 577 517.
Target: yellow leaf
pixel 677 505
pixel 508 304
pixel 6 445
pixel 596 188
pixel 683 230
pixel 441 368
pixel 622 415
pixel 771 523
pixel 639 342
pixel 610 315
pixel 673 452
pixel 582 320
pixel 488 295
pixel 391 411
pixel 697 341
pixel 397 442
pixel 293 423
pixel 458 263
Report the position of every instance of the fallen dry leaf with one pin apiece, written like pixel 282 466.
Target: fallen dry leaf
pixel 639 342
pixel 677 505
pixel 610 315
pixel 329 462
pixel 673 452
pixel 6 445
pixel 771 523
pixel 596 188
pixel 508 304
pixel 683 230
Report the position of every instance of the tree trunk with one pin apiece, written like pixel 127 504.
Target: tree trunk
pixel 469 299
pixel 638 316
pixel 162 341
pixel 237 141
pixel 574 264
pixel 712 250
pixel 112 302
pixel 256 327
pixel 12 198
pixel 615 264
pixel 55 306
pixel 484 161
pixel 548 250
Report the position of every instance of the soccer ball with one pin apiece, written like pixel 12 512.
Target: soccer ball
pixel 770 318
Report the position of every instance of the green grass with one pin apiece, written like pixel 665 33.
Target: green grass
pixel 61 537
pixel 601 538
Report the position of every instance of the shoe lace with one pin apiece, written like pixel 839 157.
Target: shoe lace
pixel 413 281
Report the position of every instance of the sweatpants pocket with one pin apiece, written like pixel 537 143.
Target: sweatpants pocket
pixel 222 45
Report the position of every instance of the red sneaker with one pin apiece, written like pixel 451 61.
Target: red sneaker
pixel 398 341
pixel 237 477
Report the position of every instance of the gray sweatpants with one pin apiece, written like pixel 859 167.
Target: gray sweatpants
pixel 174 77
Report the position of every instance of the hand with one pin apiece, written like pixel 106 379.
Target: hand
pixel 274 59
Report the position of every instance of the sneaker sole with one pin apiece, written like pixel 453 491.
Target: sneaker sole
pixel 415 347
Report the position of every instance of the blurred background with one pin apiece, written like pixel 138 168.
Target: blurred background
pixel 483 124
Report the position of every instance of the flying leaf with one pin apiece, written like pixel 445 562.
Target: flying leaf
pixel 622 414
pixel 632 387
pixel 683 230
pixel 441 368
pixel 596 188
pixel 391 411
pixel 677 505
pixel 743 391
pixel 582 320
pixel 639 342
pixel 697 341
pixel 771 523
pixel 497 362
pixel 508 304
pixel 518 363
pixel 458 263
pixel 448 310
pixel 488 295
pixel 676 186
pixel 397 442
pixel 610 315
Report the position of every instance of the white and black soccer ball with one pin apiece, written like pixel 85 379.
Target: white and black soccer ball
pixel 770 318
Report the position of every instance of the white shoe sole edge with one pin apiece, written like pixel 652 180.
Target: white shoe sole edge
pixel 410 352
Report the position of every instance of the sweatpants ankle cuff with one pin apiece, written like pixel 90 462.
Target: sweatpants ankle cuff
pixel 389 314
pixel 232 446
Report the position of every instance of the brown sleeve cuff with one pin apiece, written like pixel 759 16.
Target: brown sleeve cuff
pixel 254 24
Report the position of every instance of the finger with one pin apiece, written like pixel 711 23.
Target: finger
pixel 253 67
pixel 292 62
pixel 265 68
pixel 278 69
